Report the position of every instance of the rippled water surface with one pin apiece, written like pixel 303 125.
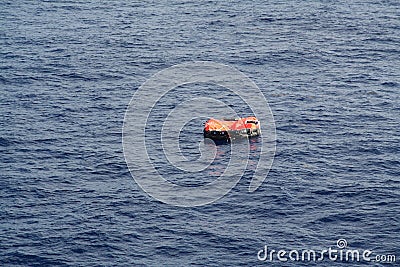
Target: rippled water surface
pixel 68 69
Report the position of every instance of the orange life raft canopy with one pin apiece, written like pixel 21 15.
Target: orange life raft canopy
pixel 227 129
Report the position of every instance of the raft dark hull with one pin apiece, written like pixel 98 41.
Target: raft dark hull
pixel 229 135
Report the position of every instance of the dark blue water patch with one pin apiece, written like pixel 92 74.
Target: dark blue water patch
pixel 6 142
pixel 390 84
pixel 339 218
pixel 324 192
pixel 26 258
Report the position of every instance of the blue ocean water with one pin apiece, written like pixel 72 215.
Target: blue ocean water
pixel 329 70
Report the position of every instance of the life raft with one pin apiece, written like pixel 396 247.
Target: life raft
pixel 228 129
